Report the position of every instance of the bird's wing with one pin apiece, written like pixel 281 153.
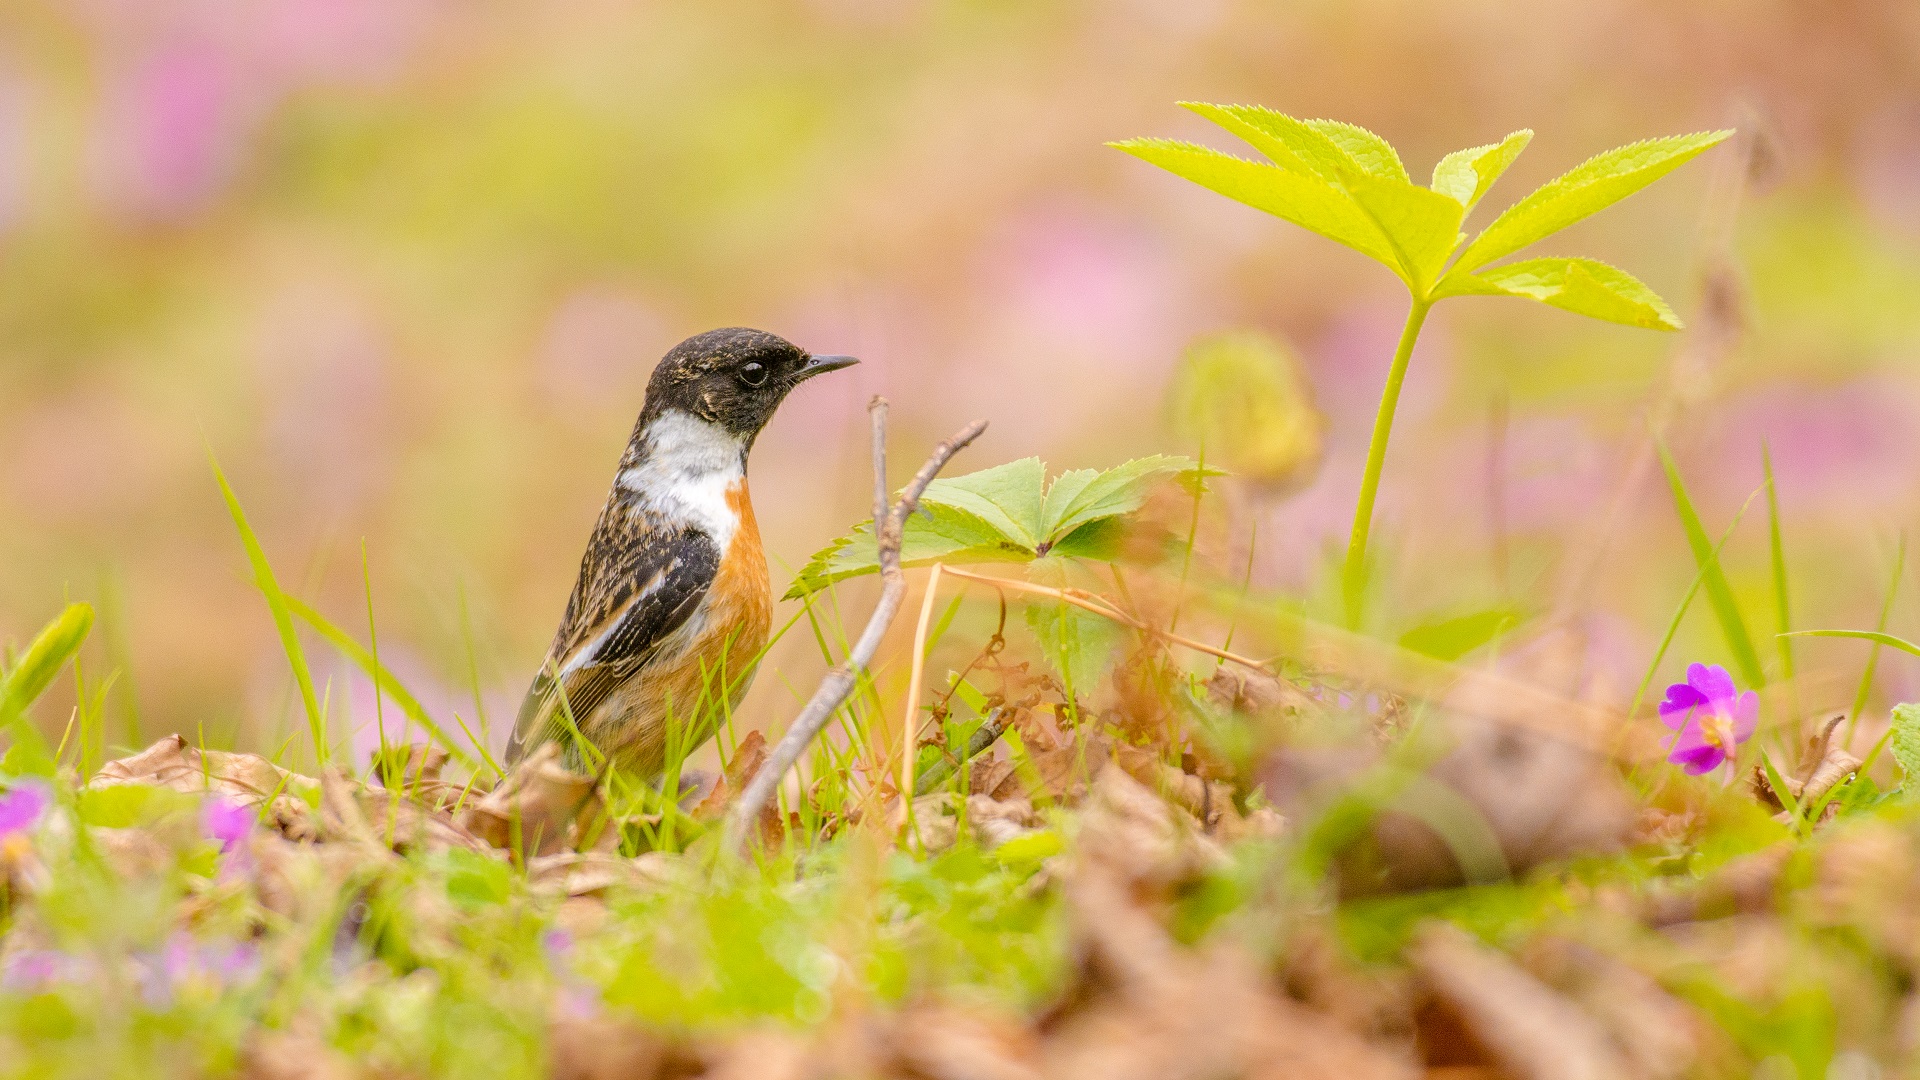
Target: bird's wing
pixel 634 591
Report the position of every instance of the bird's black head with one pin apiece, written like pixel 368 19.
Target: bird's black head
pixel 733 377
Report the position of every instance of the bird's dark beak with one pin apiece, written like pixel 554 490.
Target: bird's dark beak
pixel 820 365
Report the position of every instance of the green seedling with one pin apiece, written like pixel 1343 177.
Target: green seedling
pixel 1348 185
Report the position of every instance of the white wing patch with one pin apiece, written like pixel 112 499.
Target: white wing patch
pixel 589 652
pixel 689 466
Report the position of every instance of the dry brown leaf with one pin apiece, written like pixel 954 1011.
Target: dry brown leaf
pixel 1650 1027
pixel 1744 885
pixel 287 1055
pixel 602 1047
pixel 748 758
pixel 248 779
pixel 536 807
pixel 1823 765
pixel 1530 1031
pixel 996 821
pixel 761 1055
pixel 1128 828
pixel 1148 1010
pixel 593 873
pixel 943 1043
pixel 416 768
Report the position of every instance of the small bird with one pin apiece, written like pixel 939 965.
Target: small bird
pixel 672 606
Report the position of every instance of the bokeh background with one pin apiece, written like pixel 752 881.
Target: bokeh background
pixel 405 265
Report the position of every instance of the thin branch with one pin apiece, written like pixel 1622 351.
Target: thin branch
pixel 1099 605
pixel 992 726
pixel 839 682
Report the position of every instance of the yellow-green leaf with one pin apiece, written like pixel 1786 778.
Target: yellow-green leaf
pixel 51 649
pixel 1299 197
pixel 1583 286
pixel 1465 175
pixel 1595 185
pixel 1422 226
pixel 1289 143
pixel 1373 154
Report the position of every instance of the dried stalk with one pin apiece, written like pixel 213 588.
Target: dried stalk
pixel 889 526
pixel 910 727
pixel 1099 605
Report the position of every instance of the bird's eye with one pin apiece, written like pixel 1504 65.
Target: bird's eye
pixel 753 374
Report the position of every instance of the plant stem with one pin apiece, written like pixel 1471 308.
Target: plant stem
pixel 1353 579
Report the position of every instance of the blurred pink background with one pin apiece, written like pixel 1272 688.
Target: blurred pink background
pixel 405 265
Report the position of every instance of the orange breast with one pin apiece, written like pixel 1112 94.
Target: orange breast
pixel 631 726
pixel 742 596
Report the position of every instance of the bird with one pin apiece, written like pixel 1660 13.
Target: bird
pixel 671 610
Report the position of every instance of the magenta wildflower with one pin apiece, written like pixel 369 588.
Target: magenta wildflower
pixel 226 821
pixel 1712 717
pixel 21 807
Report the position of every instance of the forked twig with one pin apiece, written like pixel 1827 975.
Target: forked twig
pixel 889 527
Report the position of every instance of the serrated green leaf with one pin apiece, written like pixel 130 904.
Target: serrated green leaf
pixel 1119 490
pixel 937 534
pixel 1422 226
pixel 52 647
pixel 988 516
pixel 1063 491
pixel 1297 196
pixel 1906 745
pixel 1583 286
pixel 1006 497
pixel 1370 152
pixel 1465 175
pixel 1100 540
pixel 1594 185
pixel 1292 144
pixel 1077 643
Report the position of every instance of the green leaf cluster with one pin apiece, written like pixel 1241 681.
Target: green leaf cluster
pixel 1009 513
pixel 1349 185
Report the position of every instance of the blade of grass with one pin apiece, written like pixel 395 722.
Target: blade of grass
pixel 1787 798
pixel 1725 608
pixel 269 587
pixel 473 673
pixel 409 705
pixel 1673 625
pixel 1873 654
pixel 379 698
pixel 1781 605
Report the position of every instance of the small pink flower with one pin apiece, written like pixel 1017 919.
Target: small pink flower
pixel 21 807
pixel 1712 717
pixel 226 821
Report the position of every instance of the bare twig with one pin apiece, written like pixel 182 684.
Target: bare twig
pixel 992 726
pixel 1099 605
pixel 889 527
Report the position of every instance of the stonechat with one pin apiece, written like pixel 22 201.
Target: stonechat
pixel 672 607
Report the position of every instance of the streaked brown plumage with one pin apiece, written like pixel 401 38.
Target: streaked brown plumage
pixel 672 605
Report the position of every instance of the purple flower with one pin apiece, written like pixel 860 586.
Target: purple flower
pixel 1712 718
pixel 226 821
pixel 34 969
pixel 21 807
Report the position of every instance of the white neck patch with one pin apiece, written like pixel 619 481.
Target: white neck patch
pixel 684 476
